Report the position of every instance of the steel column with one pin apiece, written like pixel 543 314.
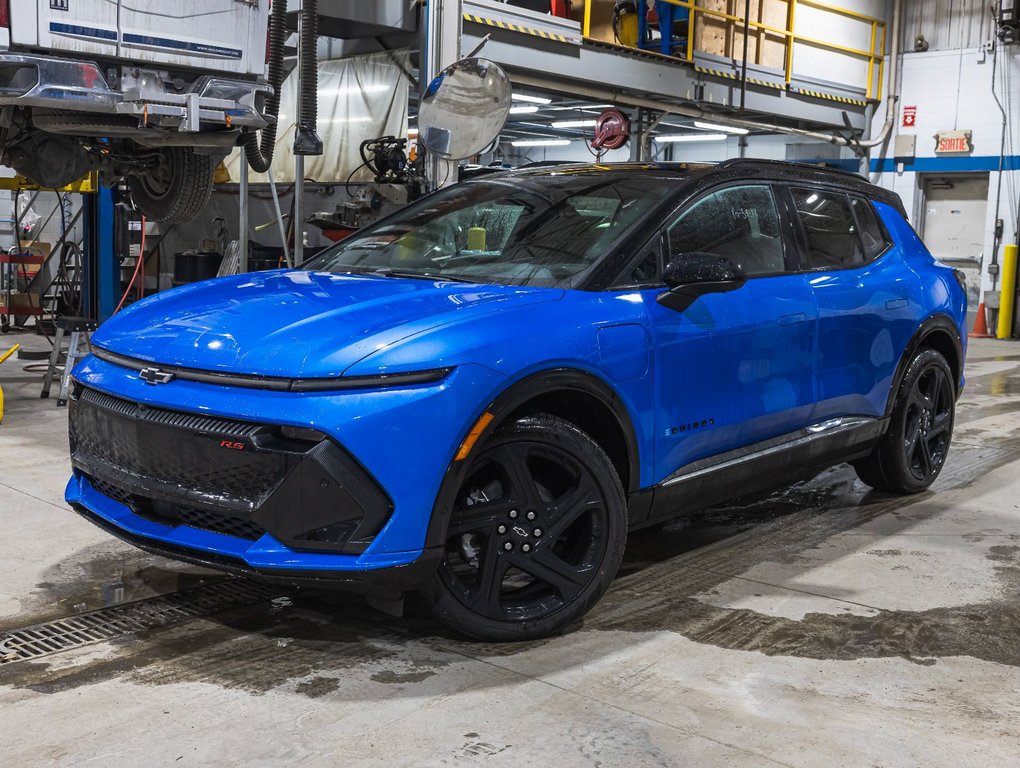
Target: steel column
pixel 299 167
pixel 101 273
pixel 440 46
pixel 242 223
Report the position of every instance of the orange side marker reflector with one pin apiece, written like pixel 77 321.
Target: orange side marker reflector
pixel 476 431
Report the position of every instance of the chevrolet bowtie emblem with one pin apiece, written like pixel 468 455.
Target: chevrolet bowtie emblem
pixel 155 376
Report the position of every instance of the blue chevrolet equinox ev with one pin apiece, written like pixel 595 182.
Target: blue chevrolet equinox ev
pixel 478 396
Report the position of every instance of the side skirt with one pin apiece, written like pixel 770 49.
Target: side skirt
pixel 757 467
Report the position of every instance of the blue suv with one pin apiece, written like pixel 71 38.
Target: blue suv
pixel 479 396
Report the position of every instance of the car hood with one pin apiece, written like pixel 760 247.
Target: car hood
pixel 295 323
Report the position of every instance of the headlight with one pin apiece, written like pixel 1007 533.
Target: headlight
pixel 381 381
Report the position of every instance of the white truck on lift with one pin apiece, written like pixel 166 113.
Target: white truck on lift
pixel 155 91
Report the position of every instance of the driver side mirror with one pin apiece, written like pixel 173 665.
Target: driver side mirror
pixel 692 275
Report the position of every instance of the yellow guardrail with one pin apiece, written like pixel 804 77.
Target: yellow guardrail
pixel 874 55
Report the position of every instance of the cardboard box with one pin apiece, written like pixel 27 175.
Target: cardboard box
pixel 37 248
pixel 20 301
pixel 28 271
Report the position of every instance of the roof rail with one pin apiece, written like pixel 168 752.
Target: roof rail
pixel 738 161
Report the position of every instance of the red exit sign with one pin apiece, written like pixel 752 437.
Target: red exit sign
pixel 953 143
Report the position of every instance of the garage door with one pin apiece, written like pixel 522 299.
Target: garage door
pixel 953 225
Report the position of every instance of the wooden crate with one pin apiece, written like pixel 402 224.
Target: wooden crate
pixel 722 37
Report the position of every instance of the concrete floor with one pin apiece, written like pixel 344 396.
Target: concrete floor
pixel 823 625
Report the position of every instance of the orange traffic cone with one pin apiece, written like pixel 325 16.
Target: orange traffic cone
pixel 981 325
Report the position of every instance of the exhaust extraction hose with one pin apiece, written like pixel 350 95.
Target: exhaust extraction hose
pixel 260 153
pixel 306 138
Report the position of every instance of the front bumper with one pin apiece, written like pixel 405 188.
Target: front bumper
pixel 403 438
pixel 80 86
pixel 238 478
pixel 179 485
pixel 266 559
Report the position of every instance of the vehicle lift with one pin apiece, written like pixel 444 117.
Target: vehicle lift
pixel 100 267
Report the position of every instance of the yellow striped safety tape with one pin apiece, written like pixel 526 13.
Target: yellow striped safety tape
pixel 779 86
pixel 515 28
pixel 735 76
pixel 832 97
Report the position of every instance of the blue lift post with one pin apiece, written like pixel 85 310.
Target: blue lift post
pixel 101 268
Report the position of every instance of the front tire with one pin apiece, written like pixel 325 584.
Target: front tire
pixel 536 535
pixel 178 189
pixel 913 451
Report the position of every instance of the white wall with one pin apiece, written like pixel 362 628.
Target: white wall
pixel 816 62
pixel 952 90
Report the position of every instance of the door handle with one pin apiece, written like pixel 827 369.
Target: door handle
pixel 800 317
pixel 896 304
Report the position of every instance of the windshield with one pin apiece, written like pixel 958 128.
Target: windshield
pixel 535 230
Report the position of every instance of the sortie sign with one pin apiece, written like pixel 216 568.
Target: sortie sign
pixel 953 143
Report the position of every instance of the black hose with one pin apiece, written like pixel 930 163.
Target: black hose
pixel 260 154
pixel 306 138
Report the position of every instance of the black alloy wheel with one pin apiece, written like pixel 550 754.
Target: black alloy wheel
pixel 911 454
pixel 536 534
pixel 927 423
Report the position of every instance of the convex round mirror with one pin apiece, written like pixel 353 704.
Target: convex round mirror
pixel 464 109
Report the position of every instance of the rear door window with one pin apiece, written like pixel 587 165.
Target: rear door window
pixel 873 237
pixel 831 238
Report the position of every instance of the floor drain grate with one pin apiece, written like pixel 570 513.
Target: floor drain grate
pixel 119 620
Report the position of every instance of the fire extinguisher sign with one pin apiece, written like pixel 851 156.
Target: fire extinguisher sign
pixel 909 117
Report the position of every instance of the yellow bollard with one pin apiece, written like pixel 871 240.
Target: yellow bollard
pixel 3 357
pixel 1008 293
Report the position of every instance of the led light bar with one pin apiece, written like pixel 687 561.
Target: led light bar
pixel 523 109
pixel 540 143
pixel 573 124
pixel 692 137
pixel 723 128
pixel 531 99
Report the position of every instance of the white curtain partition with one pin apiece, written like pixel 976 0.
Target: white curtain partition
pixel 360 98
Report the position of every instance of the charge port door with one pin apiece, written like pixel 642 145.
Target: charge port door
pixel 75 26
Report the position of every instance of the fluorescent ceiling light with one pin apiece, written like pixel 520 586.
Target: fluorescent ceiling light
pixel 412 131
pixel 676 137
pixel 540 143
pixel 723 128
pixel 573 124
pixel 523 109
pixel 531 99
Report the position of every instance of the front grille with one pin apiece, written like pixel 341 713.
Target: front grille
pixel 112 491
pixel 213 521
pixel 173 449
pixel 222 475
pixel 170 513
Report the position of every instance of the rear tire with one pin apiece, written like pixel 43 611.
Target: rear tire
pixel 178 190
pixel 911 454
pixel 536 534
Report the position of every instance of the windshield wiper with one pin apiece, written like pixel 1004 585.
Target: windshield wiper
pixel 420 276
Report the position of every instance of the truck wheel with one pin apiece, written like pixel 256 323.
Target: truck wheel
pixel 536 534
pixel 178 189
